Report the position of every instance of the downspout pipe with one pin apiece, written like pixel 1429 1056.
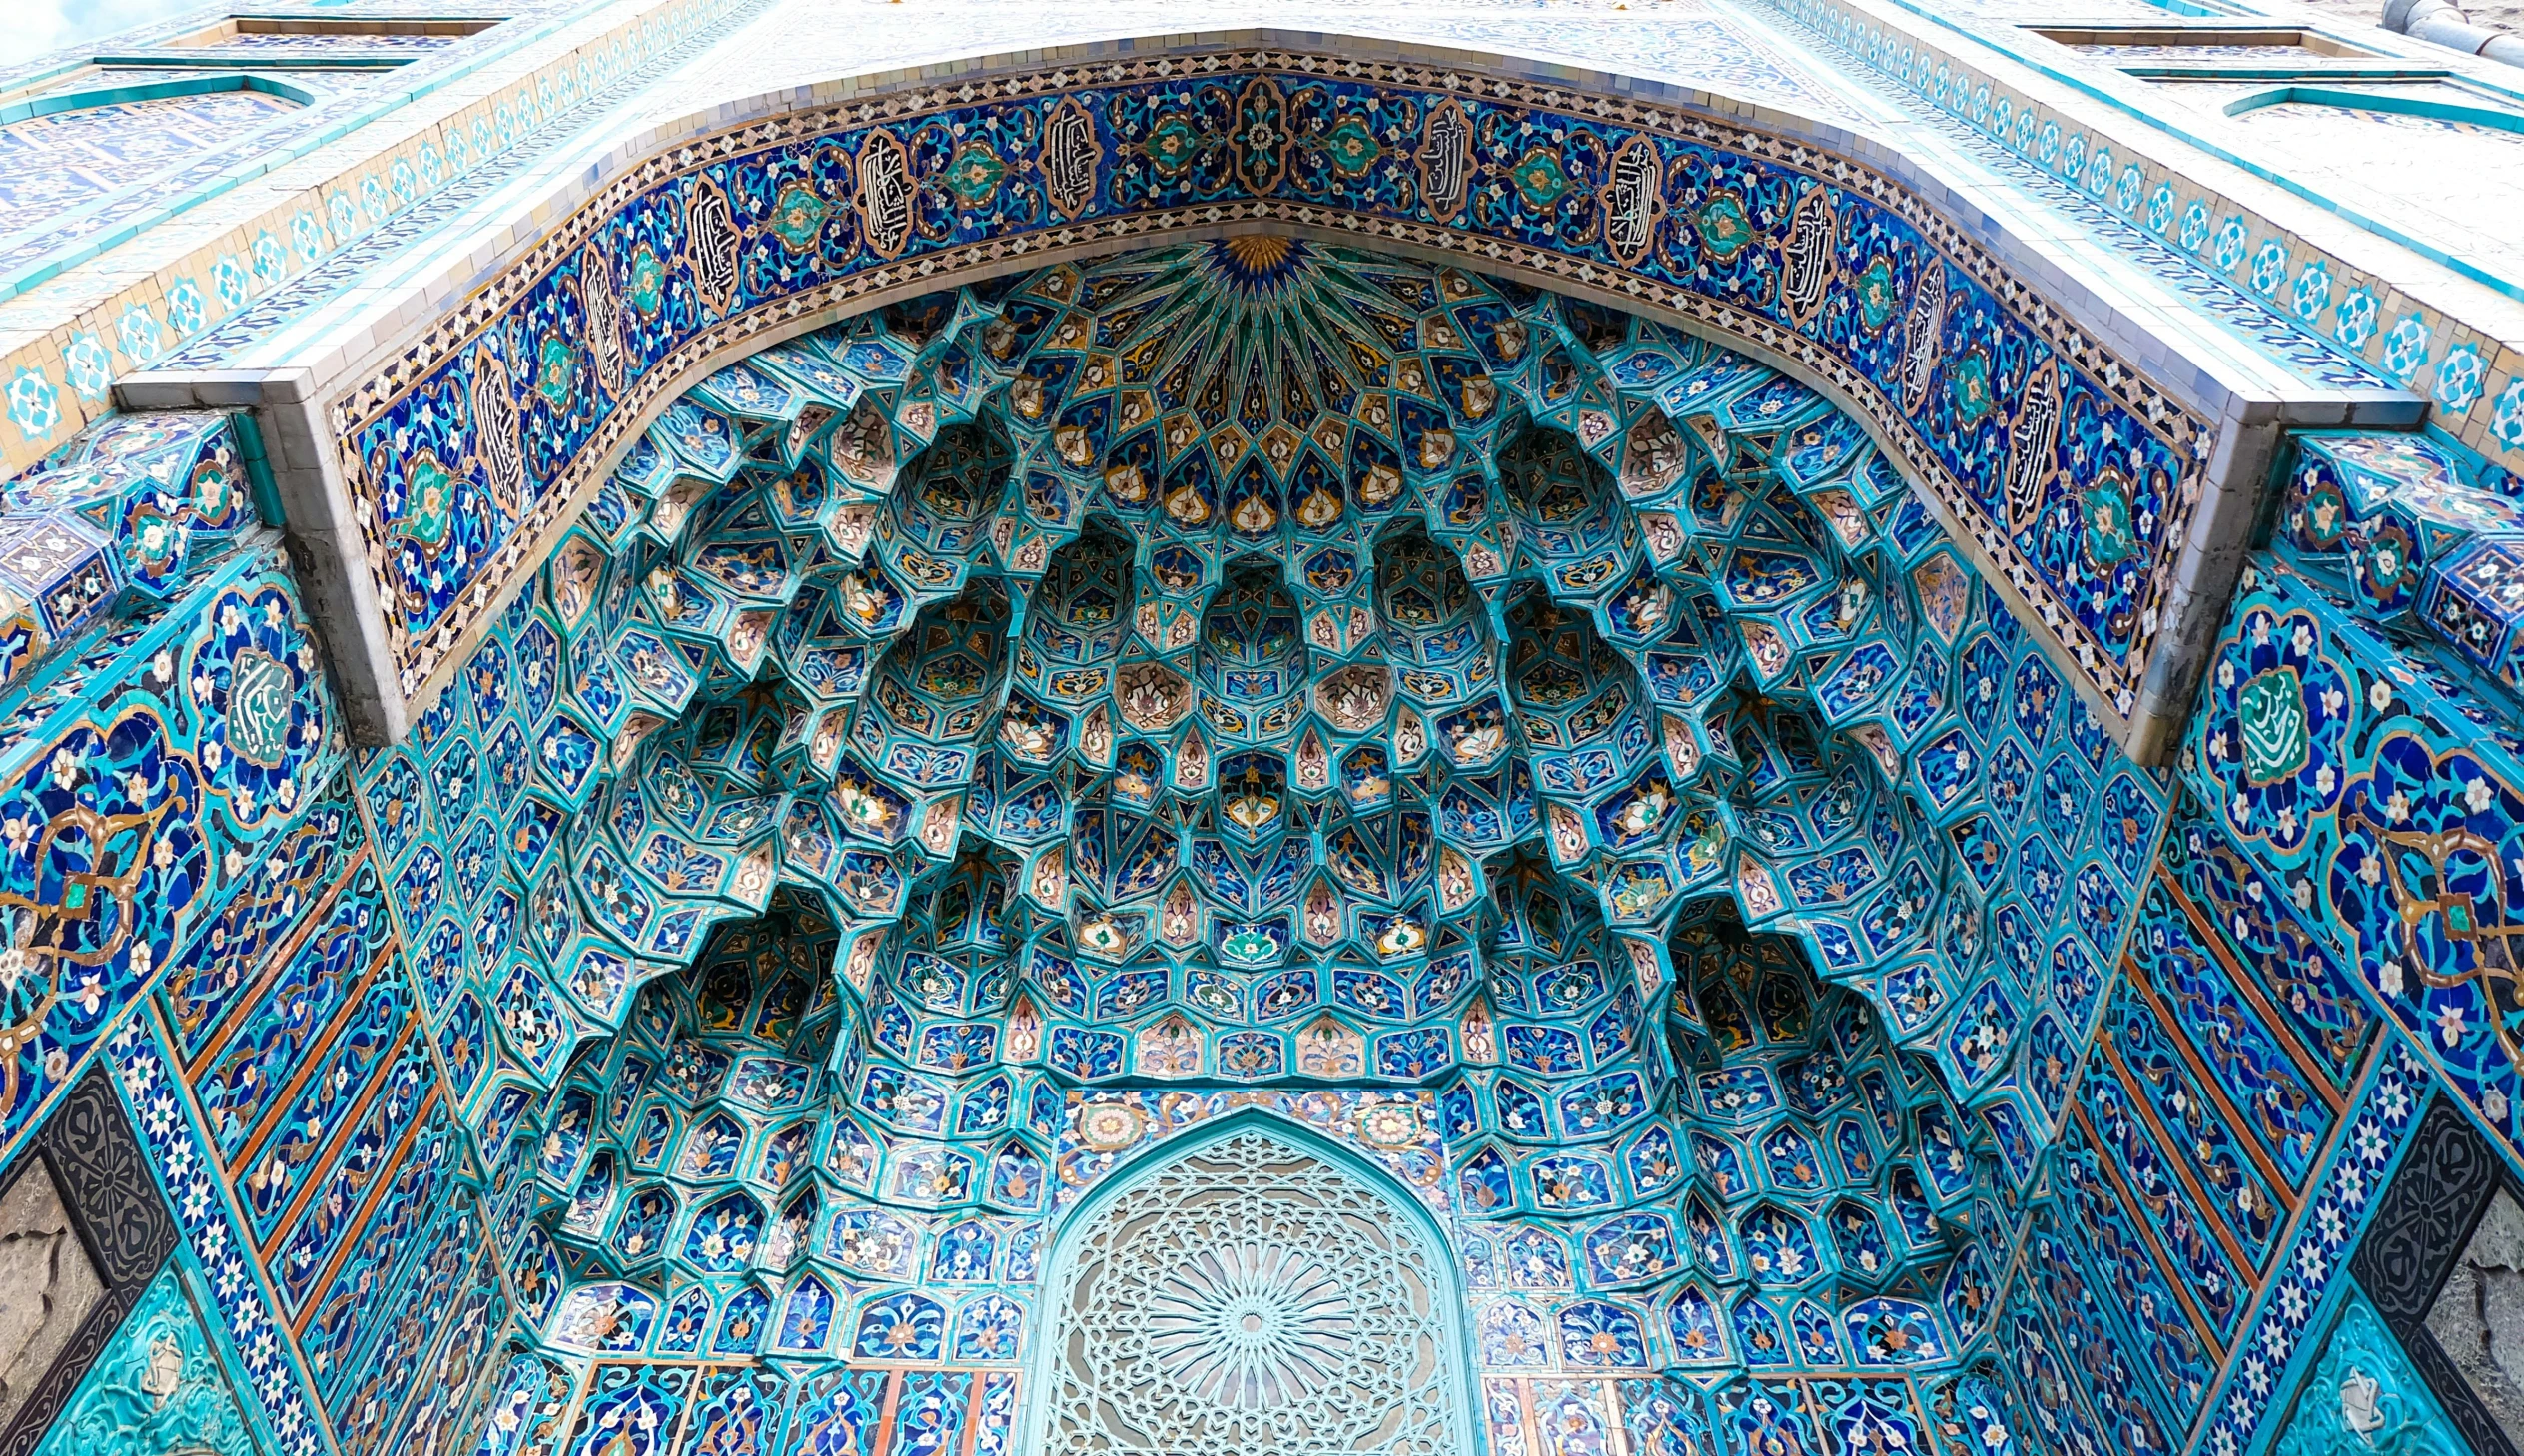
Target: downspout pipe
pixel 2442 22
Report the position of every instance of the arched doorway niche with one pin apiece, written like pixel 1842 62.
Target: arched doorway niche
pixel 1251 1286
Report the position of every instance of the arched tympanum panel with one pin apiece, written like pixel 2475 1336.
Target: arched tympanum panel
pixel 1251 1296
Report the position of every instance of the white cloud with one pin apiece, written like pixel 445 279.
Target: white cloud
pixel 38 27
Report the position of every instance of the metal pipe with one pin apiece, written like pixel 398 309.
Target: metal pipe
pixel 2443 23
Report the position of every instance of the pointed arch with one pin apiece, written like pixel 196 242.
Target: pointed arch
pixel 1252 1286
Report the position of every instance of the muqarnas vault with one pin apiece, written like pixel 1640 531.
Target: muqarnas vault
pixel 1253 744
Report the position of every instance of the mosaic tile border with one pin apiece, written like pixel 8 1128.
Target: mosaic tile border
pixel 2369 1146
pixel 2062 184
pixel 342 271
pixel 2301 286
pixel 61 380
pixel 244 1303
pixel 442 355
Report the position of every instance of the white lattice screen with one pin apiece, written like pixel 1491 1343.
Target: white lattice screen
pixel 1252 1299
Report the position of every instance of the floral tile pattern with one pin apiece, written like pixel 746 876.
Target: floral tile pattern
pixel 1200 684
pixel 2001 407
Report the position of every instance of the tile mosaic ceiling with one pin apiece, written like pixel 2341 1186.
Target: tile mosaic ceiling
pixel 1052 716
pixel 1169 613
pixel 1102 765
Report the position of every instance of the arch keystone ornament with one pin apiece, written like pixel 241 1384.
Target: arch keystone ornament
pixel 1258 1294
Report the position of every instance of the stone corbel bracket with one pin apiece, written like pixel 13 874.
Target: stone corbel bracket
pixel 326 551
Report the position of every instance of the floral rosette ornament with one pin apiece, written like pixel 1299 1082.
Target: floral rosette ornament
pixel 260 721
pixel 2429 875
pixel 2278 711
pixel 99 856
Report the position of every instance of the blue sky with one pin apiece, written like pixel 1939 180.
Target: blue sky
pixel 37 26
